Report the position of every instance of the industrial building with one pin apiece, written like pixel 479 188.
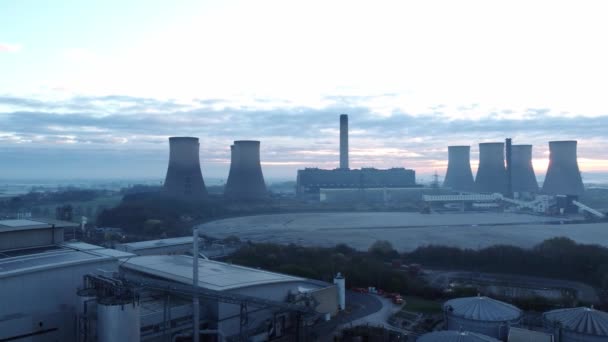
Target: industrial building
pixel 245 178
pixel 311 180
pixel 40 275
pixel 176 246
pixel 385 196
pixel 184 178
pixel 577 324
pixel 563 175
pixel 53 290
pixel 481 315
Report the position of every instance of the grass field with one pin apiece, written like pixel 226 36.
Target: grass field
pixel 421 305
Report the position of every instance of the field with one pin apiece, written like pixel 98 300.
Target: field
pixel 406 231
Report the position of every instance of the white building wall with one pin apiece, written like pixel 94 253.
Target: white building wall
pixel 45 300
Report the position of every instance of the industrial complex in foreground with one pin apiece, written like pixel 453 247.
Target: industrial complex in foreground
pixel 53 290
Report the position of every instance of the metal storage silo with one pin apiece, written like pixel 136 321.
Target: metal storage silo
pixel 455 336
pixel 563 175
pixel 245 180
pixel 459 175
pixel 491 174
pixel 522 172
pixel 118 321
pixel 482 315
pixel 577 324
pixel 184 179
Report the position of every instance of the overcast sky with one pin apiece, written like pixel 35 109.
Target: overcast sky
pixel 92 89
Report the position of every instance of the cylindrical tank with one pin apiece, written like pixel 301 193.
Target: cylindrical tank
pixel 87 315
pixel 481 315
pixel 341 284
pixel 344 141
pixel 459 175
pixel 246 180
pixel 577 324
pixel 184 179
pixel 455 336
pixel 491 173
pixel 118 322
pixel 522 171
pixel 563 175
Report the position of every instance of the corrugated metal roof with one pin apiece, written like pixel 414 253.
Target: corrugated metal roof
pixel 212 274
pixel 482 309
pixel 25 224
pixel 581 320
pixel 134 246
pixel 455 336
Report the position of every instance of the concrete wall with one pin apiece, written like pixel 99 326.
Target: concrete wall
pixel 30 238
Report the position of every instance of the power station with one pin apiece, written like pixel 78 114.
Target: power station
pixel 523 179
pixel 245 178
pixel 563 175
pixel 184 178
pixel 459 175
pixel 310 181
pixel 491 174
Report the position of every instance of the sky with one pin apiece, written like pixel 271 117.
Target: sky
pixel 93 89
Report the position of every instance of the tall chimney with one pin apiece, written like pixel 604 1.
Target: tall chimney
pixel 491 174
pixel 563 175
pixel 522 172
pixel 459 175
pixel 245 180
pixel 509 155
pixel 344 141
pixel 184 178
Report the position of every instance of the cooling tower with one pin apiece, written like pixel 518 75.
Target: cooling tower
pixel 522 172
pixel 459 175
pixel 563 176
pixel 245 181
pixel 184 178
pixel 491 173
pixel 344 141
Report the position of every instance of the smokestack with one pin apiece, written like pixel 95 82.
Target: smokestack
pixel 459 175
pixel 522 172
pixel 491 174
pixel 344 141
pixel 245 181
pixel 184 178
pixel 563 175
pixel 508 155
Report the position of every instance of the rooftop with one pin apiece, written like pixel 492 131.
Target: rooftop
pixel 23 224
pixel 36 259
pixel 132 246
pixel 213 275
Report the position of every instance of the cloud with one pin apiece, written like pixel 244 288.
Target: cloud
pixel 292 136
pixel 5 47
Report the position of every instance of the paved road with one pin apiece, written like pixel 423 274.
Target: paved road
pixel 362 305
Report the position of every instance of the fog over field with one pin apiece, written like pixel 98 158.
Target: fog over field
pixel 406 231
